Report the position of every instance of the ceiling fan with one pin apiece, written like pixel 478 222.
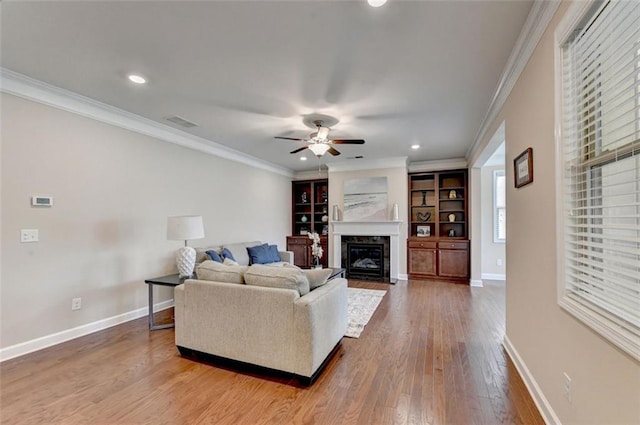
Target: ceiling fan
pixel 319 143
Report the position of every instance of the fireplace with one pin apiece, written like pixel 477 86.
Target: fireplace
pixel 366 257
pixel 365 260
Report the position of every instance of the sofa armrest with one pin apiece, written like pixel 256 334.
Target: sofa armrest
pixel 286 256
pixel 321 319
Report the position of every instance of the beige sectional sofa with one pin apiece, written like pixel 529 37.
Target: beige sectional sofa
pixel 284 328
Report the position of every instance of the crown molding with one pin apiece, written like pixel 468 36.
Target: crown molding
pixel 437 165
pixel 368 164
pixel 540 15
pixel 311 174
pixel 28 88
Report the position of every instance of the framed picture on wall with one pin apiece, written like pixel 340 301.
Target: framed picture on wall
pixel 523 168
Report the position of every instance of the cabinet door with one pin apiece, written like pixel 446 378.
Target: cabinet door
pixel 422 261
pixel 301 251
pixel 453 263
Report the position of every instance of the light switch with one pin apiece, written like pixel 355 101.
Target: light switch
pixel 29 235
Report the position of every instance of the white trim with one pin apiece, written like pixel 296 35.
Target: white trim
pixel 477 284
pixel 369 164
pixel 28 88
pixel 494 276
pixel 311 175
pixel 69 334
pixel 437 165
pixel 403 276
pixel 544 407
pixel 537 21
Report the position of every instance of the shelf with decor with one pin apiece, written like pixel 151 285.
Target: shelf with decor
pixel 438 245
pixel 310 213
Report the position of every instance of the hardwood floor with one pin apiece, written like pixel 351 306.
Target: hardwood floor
pixel 431 354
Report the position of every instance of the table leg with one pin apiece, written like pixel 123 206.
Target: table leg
pixel 151 325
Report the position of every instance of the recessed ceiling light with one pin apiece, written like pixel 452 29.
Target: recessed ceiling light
pixel 376 3
pixel 303 158
pixel 137 79
pixel 415 147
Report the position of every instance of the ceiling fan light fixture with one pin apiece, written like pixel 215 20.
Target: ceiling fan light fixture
pixel 319 149
pixel 323 132
pixel 376 3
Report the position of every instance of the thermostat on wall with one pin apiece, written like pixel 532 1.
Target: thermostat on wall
pixel 41 201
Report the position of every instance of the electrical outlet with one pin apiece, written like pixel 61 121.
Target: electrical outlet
pixel 566 388
pixel 499 261
pixel 76 303
pixel 29 235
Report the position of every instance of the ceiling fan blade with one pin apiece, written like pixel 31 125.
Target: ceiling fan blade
pixel 334 151
pixel 300 149
pixel 289 138
pixel 348 141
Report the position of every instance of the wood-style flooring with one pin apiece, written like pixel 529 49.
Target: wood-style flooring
pixel 431 354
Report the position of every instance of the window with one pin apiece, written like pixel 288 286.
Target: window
pixel 599 192
pixel 499 207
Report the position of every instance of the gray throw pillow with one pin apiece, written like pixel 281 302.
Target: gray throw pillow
pixel 277 277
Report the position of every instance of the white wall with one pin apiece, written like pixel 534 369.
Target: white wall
pixel 397 186
pixel 113 190
pixel 605 385
pixel 491 251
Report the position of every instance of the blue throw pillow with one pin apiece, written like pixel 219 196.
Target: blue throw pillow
pixel 227 254
pixel 274 254
pixel 259 254
pixel 214 256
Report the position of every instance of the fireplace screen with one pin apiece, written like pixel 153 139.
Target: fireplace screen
pixel 365 260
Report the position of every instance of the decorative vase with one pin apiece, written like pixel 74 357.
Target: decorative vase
pixel 325 218
pixel 336 214
pixel 452 218
pixel 304 219
pixel 185 260
pixel 395 214
pixel 424 198
pixel 316 263
pixel 303 198
pixel 453 194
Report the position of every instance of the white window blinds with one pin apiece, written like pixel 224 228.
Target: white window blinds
pixel 601 172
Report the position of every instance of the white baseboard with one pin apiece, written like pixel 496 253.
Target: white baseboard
pixel 403 276
pixel 69 334
pixel 539 399
pixel 476 283
pixel 494 276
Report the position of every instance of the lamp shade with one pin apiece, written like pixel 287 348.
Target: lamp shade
pixel 185 227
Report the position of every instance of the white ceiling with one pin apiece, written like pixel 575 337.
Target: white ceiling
pixel 409 72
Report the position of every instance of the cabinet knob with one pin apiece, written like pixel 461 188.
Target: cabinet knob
pixel 453 246
pixel 421 244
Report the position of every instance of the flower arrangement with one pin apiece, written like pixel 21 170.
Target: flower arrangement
pixel 316 249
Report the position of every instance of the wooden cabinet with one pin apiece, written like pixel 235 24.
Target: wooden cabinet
pixel 301 248
pixel 438 245
pixel 310 207
pixel 310 213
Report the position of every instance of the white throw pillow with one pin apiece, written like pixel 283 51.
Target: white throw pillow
pixel 317 277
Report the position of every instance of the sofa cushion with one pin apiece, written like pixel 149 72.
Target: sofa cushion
pixel 239 251
pixel 214 256
pixel 277 277
pixel 259 254
pixel 201 253
pixel 217 272
pixel 227 254
pixel 317 277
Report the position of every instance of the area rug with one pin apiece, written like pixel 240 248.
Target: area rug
pixel 362 304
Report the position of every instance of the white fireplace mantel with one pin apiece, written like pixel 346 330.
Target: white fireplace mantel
pixel 368 228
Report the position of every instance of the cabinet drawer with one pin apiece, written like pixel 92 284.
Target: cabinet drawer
pixel 425 244
pixel 453 245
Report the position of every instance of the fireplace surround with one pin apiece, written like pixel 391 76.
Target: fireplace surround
pixel 390 229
